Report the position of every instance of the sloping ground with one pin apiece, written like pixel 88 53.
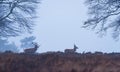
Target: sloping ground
pixel 59 62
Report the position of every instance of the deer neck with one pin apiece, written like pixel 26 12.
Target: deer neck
pixel 74 49
pixel 36 47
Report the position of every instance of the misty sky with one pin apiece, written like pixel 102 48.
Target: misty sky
pixel 59 27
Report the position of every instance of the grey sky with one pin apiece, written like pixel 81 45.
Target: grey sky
pixel 59 27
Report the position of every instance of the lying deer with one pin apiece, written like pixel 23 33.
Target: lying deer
pixel 71 50
pixel 32 50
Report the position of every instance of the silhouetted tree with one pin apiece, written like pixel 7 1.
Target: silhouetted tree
pixel 104 15
pixel 16 16
pixel 27 41
pixel 6 46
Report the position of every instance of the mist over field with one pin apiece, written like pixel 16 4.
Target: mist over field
pixel 59 36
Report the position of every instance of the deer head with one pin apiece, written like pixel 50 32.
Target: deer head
pixel 75 47
pixel 35 45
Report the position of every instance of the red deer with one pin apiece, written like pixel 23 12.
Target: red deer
pixel 32 50
pixel 71 50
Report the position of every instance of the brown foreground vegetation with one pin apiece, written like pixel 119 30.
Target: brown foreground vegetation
pixel 59 62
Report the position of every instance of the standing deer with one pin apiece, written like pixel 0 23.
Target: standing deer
pixel 71 50
pixel 32 50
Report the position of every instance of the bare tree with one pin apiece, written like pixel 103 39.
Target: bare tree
pixel 104 16
pixel 16 16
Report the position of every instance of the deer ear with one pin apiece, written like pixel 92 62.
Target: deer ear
pixel 33 42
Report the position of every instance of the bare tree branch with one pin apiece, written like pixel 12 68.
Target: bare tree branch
pixel 16 16
pixel 101 11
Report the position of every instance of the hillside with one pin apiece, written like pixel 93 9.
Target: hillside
pixel 59 62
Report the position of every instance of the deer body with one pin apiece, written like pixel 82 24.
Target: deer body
pixel 71 50
pixel 31 50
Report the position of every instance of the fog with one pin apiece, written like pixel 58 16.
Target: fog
pixel 58 27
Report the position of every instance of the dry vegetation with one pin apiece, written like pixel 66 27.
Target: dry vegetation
pixel 59 62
